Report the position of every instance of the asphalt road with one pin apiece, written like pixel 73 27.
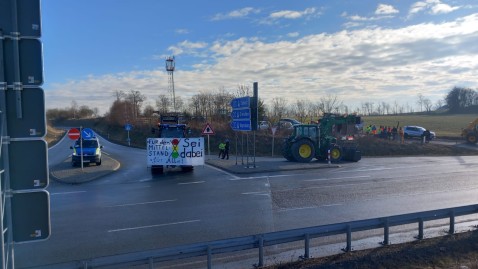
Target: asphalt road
pixel 130 210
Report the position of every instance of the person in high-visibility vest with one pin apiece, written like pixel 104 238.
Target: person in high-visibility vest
pixel 222 147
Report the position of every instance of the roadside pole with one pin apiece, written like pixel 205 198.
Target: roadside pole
pixel 274 129
pixel 81 147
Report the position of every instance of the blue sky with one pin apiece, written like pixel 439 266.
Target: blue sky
pixel 361 51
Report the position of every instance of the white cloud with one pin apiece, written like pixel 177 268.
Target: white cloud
pixel 383 9
pixel 182 31
pixel 372 65
pixel 293 34
pixel 235 14
pixel 290 14
pixel 187 47
pixel 432 7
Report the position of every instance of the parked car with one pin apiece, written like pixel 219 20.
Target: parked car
pixel 263 125
pixel 416 131
pixel 287 123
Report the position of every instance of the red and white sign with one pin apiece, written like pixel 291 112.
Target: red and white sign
pixel 207 130
pixel 74 134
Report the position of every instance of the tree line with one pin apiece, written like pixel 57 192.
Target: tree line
pixel 209 106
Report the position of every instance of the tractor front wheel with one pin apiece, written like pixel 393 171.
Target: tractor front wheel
pixel 335 154
pixel 303 151
pixel 471 138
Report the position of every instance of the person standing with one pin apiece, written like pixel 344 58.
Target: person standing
pixel 226 150
pixel 222 147
pixel 402 135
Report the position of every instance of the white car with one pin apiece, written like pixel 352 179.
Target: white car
pixel 263 125
pixel 416 131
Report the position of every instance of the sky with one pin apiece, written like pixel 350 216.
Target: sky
pixel 358 50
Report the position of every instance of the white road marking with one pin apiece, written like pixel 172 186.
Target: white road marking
pixel 146 179
pixel 222 171
pixel 256 193
pixel 323 179
pixel 306 207
pixel 153 226
pixel 144 203
pixel 266 177
pixel 69 192
pixel 195 182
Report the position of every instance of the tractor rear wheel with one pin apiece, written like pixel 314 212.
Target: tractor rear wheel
pixel 335 154
pixel 471 138
pixel 303 151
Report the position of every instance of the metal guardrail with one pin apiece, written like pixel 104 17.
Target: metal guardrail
pixel 260 241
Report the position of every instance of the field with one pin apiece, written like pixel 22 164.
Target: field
pixel 445 126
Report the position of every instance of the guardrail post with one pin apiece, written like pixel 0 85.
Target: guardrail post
pixel 386 233
pixel 261 251
pixel 151 263
pixel 307 246
pixel 420 229
pixel 209 257
pixel 452 222
pixel 348 248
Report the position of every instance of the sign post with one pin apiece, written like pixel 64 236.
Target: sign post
pixel 208 131
pixel 24 200
pixel 128 128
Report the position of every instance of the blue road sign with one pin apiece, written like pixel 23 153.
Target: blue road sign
pixel 87 133
pixel 241 114
pixel 128 127
pixel 242 102
pixel 241 125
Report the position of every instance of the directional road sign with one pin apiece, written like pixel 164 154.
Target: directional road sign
pixel 32 123
pixel 128 127
pixel 87 133
pixel 74 134
pixel 241 114
pixel 241 102
pixel 28 14
pixel 31 66
pixel 28 164
pixel 31 216
pixel 241 125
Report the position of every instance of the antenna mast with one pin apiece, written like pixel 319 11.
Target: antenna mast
pixel 170 65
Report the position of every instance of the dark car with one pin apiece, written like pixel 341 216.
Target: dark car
pixel 416 131
pixel 287 123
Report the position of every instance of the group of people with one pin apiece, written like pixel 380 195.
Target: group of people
pixel 386 132
pixel 224 149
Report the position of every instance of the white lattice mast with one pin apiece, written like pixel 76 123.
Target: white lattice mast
pixel 170 65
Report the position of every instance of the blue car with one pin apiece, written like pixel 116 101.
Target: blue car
pixel 89 148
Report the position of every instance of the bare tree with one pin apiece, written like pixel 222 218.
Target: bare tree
pixel 163 103
pixel 74 109
pixel 427 103
pixel 300 109
pixel 420 101
pixel 330 103
pixel 118 94
pixel 242 90
pixel 439 104
pixel 136 99
pixel 279 107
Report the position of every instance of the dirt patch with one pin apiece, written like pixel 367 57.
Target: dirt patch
pixel 451 251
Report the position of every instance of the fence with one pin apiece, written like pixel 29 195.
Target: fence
pixel 268 239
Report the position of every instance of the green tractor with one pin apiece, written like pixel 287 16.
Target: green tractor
pixel 319 141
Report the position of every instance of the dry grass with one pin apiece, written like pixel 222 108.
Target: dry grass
pixel 53 135
pixel 443 125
